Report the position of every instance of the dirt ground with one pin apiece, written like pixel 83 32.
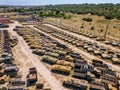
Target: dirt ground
pixel 99 23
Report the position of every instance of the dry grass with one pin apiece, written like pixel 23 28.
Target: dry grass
pixel 19 16
pixel 12 13
pixel 98 22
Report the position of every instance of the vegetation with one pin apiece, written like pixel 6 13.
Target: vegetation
pixel 92 28
pixel 3 7
pixel 22 10
pixel 42 12
pixel 101 30
pixel 82 27
pixel 109 11
pixel 52 13
pixel 87 19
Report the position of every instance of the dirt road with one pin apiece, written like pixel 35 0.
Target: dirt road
pixel 114 67
pixel 83 37
pixel 28 59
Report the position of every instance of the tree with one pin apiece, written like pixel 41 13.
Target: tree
pixel 57 12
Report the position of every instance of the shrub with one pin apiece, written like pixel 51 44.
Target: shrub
pixel 101 30
pixel 82 26
pixel 87 19
pixel 92 28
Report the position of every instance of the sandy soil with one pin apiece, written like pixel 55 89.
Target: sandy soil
pixel 99 23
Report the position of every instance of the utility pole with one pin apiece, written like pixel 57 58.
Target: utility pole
pixel 117 31
pixel 105 35
pixel 41 21
pixel 60 22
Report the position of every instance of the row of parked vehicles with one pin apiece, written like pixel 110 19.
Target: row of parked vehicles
pixel 110 41
pixel 90 47
pixel 62 60
pixel 8 70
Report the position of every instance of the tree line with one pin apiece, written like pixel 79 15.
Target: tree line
pixel 109 11
pixel 41 12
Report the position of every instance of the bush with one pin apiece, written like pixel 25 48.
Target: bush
pixel 118 17
pixel 101 30
pixel 109 17
pixel 114 26
pixel 92 28
pixel 67 17
pixel 87 19
pixel 82 26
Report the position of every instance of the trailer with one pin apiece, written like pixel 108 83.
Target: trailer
pixel 49 59
pixel 75 84
pixel 32 76
pixel 97 86
pixel 61 69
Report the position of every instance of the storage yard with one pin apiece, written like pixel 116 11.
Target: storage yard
pixel 48 57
